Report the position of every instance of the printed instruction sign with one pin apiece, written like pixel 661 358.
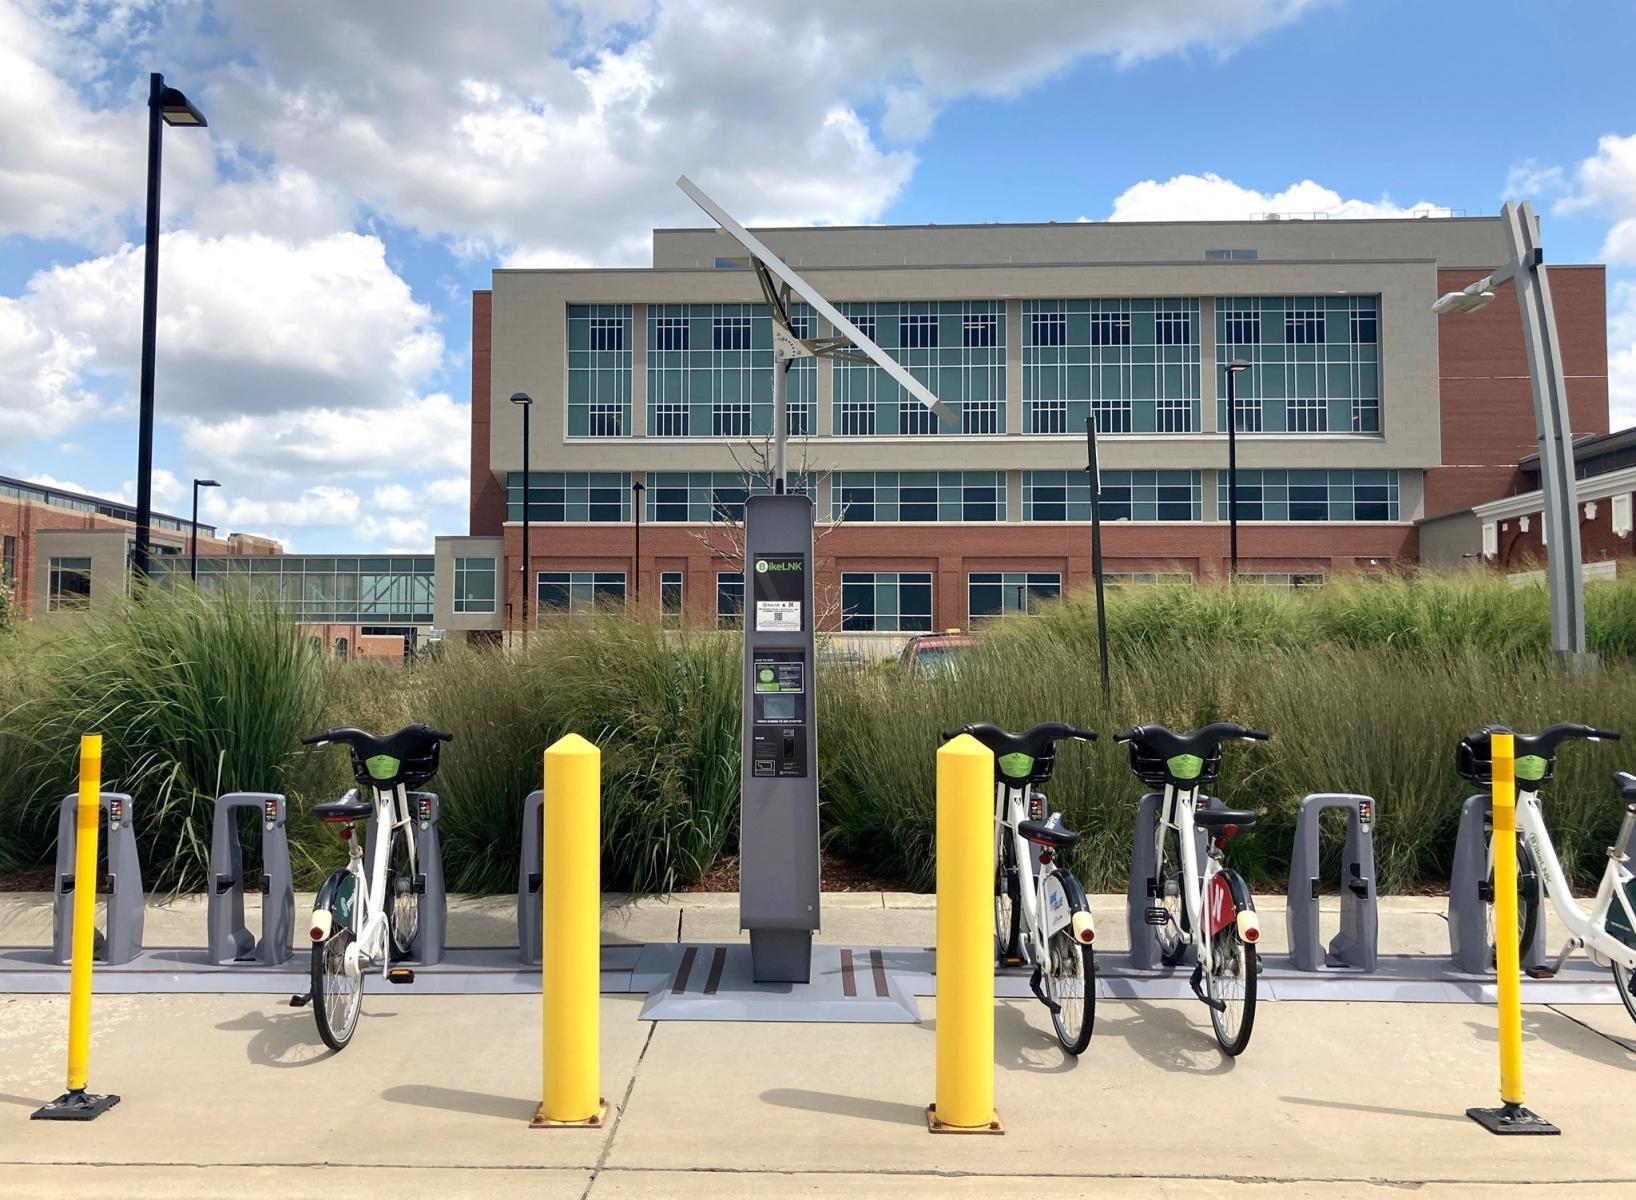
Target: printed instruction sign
pixel 780 588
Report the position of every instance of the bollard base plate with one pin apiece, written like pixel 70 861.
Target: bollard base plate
pixel 1511 1119
pixel 933 1125
pixel 541 1121
pixel 75 1106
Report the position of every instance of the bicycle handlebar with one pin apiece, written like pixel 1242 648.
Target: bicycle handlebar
pixel 1223 729
pixel 1055 730
pixel 352 736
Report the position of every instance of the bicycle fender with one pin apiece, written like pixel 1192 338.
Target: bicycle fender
pixel 1227 901
pixel 1065 903
pixel 332 905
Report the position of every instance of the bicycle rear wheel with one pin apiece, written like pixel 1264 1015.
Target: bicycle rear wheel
pixel 402 904
pixel 1625 980
pixel 1231 984
pixel 1528 899
pixel 337 997
pixel 1071 984
pixel 1168 874
pixel 1007 906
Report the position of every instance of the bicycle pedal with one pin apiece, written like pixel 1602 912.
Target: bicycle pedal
pixel 399 975
pixel 1541 972
pixel 1156 915
pixel 301 1001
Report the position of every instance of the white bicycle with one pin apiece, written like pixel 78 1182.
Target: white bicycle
pixel 1607 932
pixel 364 920
pixel 1040 912
pixel 1185 896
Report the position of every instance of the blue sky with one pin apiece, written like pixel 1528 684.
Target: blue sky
pixel 368 164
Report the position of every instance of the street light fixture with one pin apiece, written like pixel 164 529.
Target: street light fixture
pixel 193 542
pixel 1233 368
pixel 526 403
pixel 166 106
pixel 637 488
pixel 1564 578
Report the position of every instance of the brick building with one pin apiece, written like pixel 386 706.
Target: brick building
pixel 1361 413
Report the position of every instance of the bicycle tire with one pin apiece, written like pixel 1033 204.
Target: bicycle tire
pixel 1624 979
pixel 1528 899
pixel 1168 875
pixel 402 905
pixel 1073 1035
pixel 1007 905
pixel 1232 1035
pixel 331 985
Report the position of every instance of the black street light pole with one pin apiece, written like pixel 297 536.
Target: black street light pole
pixel 526 402
pixel 1233 368
pixel 1095 470
pixel 193 542
pixel 166 106
pixel 637 488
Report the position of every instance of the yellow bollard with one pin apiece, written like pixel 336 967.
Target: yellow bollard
pixel 571 924
pixel 1511 1116
pixel 76 1104
pixel 965 940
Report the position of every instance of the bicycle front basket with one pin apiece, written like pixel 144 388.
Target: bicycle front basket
pixel 1151 769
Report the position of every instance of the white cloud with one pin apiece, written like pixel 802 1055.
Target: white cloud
pixel 41 392
pixel 448 493
pixel 167 491
pixel 1532 180
pixel 321 506
pixel 393 498
pixel 404 535
pixel 1606 183
pixel 52 481
pixel 1209 197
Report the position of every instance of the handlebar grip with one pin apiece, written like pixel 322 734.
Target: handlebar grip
pixel 1606 735
pixel 316 739
pixel 1125 735
pixel 1256 735
pixel 1084 735
pixel 949 735
pixel 441 736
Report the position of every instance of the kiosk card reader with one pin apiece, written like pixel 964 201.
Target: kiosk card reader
pixel 778 822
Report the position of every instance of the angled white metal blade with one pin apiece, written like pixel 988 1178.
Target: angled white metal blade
pixel 812 296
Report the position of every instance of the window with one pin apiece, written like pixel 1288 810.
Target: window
pixel 607 333
pixel 886 601
pixel 1049 328
pixel 729 600
pixel 1304 326
pixel 1126 495
pixel 474 585
pixel 918 331
pixel 670 599
pixel 341 649
pixel 732 333
pixel 1309 579
pixel 1307 414
pixel 1110 328
pixel 1365 318
pixel 979 416
pixel 1231 255
pixel 599 370
pixel 991 594
pixel 1128 578
pixel 669 419
pixel 1241 326
pixel 1132 365
pixel 1313 495
pixel 730 419
pixel 864 323
pixel 579 592
pixel 553 496
pixel 1321 376
pixel 890 496
pixel 980 329
pixel 323 589
pixel 8 561
pixel 670 333
pixel 915 417
pixel 69 584
pixel 704 497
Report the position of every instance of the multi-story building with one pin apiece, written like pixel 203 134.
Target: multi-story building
pixel 1360 412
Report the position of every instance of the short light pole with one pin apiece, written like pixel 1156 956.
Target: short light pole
pixel 166 106
pixel 637 488
pixel 193 541
pixel 1233 368
pixel 526 403
pixel 1564 579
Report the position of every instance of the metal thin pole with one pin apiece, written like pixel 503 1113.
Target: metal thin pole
pixel 1232 475
pixel 527 564
pixel 636 551
pixel 150 307
pixel 781 422
pixel 193 542
pixel 1096 551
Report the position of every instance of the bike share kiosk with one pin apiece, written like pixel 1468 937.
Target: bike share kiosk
pixel 778 817
pixel 1356 945
pixel 228 939
pixel 123 936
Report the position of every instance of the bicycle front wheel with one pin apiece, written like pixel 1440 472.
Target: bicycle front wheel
pixel 1625 980
pixel 402 904
pixel 1528 898
pixel 1168 874
pixel 337 997
pixel 1007 906
pixel 1231 988
pixel 1071 984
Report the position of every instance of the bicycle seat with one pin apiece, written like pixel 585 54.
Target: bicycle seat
pixel 408 756
pixel 1535 752
pixel 1043 834
pixel 1025 757
pixel 1224 818
pixel 342 810
pixel 1159 756
pixel 1626 783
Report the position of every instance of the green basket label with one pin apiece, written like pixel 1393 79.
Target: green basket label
pixel 1185 766
pixel 1015 765
pixel 381 766
pixel 1531 767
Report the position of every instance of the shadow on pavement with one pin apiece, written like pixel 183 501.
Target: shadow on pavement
pixel 1166 1037
pixel 1380 1109
pixel 1566 1034
pixel 478 1104
pixel 280 1039
pixel 888 1111
pixel 25 1101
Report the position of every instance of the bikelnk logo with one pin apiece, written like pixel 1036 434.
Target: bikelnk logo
pixel 761 566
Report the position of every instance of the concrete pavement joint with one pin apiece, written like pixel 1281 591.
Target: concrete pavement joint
pixel 1617 1041
pixel 624 1103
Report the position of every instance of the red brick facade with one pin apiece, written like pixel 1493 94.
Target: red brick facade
pixel 488 498
pixel 1519 551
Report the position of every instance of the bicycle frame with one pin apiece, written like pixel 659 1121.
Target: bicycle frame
pixel 1177 813
pixel 1011 806
pixel 392 813
pixel 1588 929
